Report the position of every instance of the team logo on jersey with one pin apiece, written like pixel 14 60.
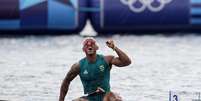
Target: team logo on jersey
pixel 102 68
pixel 85 72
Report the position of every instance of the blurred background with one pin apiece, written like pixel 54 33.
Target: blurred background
pixel 33 67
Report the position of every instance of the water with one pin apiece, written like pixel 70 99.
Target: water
pixel 32 68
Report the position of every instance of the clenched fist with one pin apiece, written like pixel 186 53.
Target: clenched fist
pixel 110 44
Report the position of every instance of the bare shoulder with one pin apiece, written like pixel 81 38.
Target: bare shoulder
pixel 108 58
pixel 73 72
pixel 75 68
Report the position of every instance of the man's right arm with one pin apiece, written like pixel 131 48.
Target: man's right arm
pixel 74 71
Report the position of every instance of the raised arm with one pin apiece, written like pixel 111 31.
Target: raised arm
pixel 122 59
pixel 74 71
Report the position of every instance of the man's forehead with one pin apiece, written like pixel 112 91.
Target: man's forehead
pixel 89 41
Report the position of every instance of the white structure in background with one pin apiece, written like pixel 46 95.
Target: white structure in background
pixel 88 30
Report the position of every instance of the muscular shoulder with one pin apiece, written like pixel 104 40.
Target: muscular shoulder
pixel 75 68
pixel 73 72
pixel 108 59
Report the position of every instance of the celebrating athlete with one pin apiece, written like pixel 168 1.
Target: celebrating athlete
pixel 94 72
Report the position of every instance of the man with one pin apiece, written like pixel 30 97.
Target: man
pixel 94 72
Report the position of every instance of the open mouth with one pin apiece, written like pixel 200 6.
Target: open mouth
pixel 90 49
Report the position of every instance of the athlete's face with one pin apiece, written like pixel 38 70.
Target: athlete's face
pixel 90 46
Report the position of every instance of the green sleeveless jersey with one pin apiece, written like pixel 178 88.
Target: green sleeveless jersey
pixel 96 74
